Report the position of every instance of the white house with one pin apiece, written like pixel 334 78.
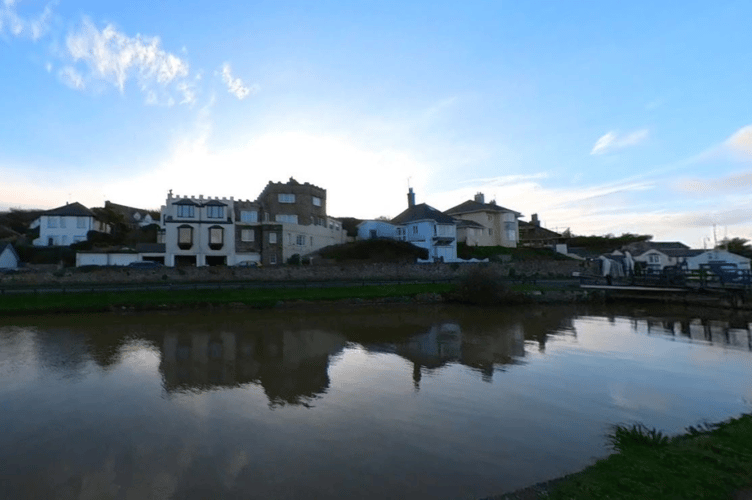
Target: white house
pixel 725 257
pixel 66 225
pixel 372 229
pixel 198 231
pixel 429 228
pixel 8 257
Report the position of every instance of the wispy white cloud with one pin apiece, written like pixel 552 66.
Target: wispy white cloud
pixel 612 141
pixel 740 142
pixel 72 78
pixel 235 86
pixel 111 56
pixel 15 24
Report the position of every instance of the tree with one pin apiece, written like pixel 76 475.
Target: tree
pixel 739 246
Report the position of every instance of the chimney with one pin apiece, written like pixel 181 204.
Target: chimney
pixel 479 198
pixel 535 220
pixel 410 198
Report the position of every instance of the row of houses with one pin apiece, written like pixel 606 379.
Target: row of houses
pixel 286 219
pixel 290 218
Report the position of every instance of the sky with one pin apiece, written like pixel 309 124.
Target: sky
pixel 601 117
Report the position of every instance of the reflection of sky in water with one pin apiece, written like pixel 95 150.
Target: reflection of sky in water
pixel 455 404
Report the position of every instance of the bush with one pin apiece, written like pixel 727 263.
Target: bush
pixel 484 286
pixel 294 259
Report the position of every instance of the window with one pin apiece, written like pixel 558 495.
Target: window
pixel 273 259
pixel 246 235
pixel 311 240
pixel 216 237
pixel 81 222
pixel 291 219
pixel 490 231
pixel 415 229
pixel 272 238
pixel 185 236
pixel 65 239
pixel 248 216
pixel 653 258
pixel 52 221
pixel 215 212
pixel 286 198
pixel 186 211
pixel 316 201
pixel 300 240
pixel 511 235
pixel 62 223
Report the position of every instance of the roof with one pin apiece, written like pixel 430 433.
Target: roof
pixel 531 231
pixel 422 212
pixel 73 209
pixel 474 206
pixel 463 223
pixel 681 252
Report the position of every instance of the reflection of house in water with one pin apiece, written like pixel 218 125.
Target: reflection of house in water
pixel 440 345
pixel 732 333
pixel 501 346
pixel 292 367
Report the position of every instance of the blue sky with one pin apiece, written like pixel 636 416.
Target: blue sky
pixel 601 117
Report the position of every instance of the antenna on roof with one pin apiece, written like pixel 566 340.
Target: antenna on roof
pixel 408 182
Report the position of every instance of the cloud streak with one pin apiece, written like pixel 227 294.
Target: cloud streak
pixel 11 22
pixel 612 141
pixel 235 86
pixel 111 56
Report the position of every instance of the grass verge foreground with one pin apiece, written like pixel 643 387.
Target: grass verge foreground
pixel 160 299
pixel 712 462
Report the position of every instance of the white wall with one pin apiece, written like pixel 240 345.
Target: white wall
pixel 423 237
pixel 322 237
pixel 693 263
pixel 105 259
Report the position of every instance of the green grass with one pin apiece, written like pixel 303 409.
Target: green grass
pixel 703 464
pixel 87 301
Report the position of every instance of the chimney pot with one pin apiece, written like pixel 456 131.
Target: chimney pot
pixel 479 198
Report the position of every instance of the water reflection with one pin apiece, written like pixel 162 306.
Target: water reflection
pixel 121 406
pixel 292 367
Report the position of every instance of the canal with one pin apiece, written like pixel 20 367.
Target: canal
pixel 356 402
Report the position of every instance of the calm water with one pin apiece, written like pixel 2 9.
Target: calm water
pixel 430 402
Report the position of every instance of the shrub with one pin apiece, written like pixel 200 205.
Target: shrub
pixel 294 259
pixel 635 436
pixel 484 286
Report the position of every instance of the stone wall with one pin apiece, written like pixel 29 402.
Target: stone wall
pixel 344 272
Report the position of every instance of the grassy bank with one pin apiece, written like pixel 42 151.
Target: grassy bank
pixel 160 299
pixel 707 463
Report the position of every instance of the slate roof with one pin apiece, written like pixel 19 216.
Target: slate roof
pixel 75 209
pixel 474 206
pixel 681 252
pixel 422 212
pixel 469 223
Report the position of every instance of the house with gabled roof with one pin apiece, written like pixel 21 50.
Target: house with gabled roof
pixel 427 227
pixel 500 225
pixel 66 225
